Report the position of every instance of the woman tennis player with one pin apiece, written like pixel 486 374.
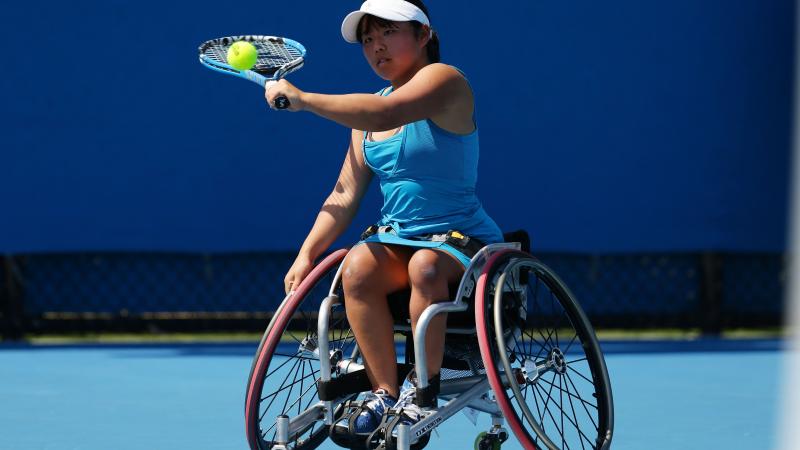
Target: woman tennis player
pixel 419 137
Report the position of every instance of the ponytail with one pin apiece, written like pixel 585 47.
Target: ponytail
pixel 433 45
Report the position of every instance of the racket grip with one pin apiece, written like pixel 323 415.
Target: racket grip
pixel 281 102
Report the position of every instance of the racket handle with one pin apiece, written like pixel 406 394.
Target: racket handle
pixel 281 102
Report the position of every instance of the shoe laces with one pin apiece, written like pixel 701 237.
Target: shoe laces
pixel 377 398
pixel 405 403
pixel 410 413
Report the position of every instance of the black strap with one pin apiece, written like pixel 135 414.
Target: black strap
pixel 468 245
pixel 426 397
pixel 372 229
pixel 341 386
pixel 353 383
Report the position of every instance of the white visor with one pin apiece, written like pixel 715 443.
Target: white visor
pixel 394 10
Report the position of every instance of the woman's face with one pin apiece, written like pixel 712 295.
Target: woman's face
pixel 391 51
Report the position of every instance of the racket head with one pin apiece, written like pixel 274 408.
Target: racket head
pixel 277 57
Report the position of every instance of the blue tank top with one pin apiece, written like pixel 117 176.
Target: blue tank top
pixel 427 176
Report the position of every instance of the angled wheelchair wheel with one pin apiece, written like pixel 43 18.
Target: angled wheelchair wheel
pixel 542 357
pixel 286 366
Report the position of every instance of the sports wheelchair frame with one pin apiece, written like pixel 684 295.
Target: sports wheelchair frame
pixel 537 364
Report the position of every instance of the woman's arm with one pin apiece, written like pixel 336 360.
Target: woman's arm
pixel 434 91
pixel 337 211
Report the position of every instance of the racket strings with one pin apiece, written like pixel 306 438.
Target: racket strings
pixel 272 54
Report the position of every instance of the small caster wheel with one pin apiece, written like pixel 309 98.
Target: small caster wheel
pixel 503 436
pixel 486 441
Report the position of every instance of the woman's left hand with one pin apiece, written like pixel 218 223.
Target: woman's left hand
pixel 275 89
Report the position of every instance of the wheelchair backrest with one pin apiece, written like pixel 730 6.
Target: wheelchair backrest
pixel 520 236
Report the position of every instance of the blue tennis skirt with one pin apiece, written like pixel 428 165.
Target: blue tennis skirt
pixel 393 239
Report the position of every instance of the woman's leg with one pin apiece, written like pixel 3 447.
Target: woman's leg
pixel 430 272
pixel 371 271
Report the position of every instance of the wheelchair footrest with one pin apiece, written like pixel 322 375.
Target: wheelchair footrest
pixel 385 437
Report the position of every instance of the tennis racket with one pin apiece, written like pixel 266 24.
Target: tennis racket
pixel 277 57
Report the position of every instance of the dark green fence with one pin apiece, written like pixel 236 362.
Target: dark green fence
pixel 152 292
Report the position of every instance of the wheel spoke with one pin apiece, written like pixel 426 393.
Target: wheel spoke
pixel 585 358
pixel 530 314
pixel 575 416
pixel 549 397
pixel 527 349
pixel 552 308
pixel 536 399
pixel 291 387
pixel 580 375
pixel 569 346
pixel 561 408
pixel 279 367
pixel 303 393
pixel 517 348
pixel 545 339
pixel 282 388
pixel 571 394
pixel 577 425
pixel 584 403
pixel 340 332
pixel 549 339
pixel 264 434
pixel 298 356
pixel 299 342
pixel 549 413
pixel 302 379
pixel 533 341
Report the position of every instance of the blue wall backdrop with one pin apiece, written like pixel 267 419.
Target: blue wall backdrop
pixel 605 126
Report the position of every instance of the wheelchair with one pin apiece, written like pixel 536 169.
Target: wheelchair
pixel 518 347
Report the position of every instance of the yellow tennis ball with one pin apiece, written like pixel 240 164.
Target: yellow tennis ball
pixel 242 55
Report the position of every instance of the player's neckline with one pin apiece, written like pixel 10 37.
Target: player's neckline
pixel 393 136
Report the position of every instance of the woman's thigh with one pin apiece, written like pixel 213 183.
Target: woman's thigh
pixel 373 266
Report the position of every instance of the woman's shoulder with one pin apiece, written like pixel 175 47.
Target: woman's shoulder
pixel 442 69
pixel 445 74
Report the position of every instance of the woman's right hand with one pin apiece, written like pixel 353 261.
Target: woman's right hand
pixel 300 269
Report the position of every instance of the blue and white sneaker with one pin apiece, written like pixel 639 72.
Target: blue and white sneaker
pixel 409 385
pixel 410 413
pixel 364 417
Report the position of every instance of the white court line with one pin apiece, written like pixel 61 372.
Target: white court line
pixel 789 412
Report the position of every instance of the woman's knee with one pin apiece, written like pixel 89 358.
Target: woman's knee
pixel 430 269
pixel 368 269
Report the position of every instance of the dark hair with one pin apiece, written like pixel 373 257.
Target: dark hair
pixel 369 21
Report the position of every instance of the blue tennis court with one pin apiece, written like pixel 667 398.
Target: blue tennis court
pixel 691 395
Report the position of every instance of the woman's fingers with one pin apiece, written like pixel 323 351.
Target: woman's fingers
pixel 270 97
pixel 282 88
pixel 288 284
pixel 299 270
